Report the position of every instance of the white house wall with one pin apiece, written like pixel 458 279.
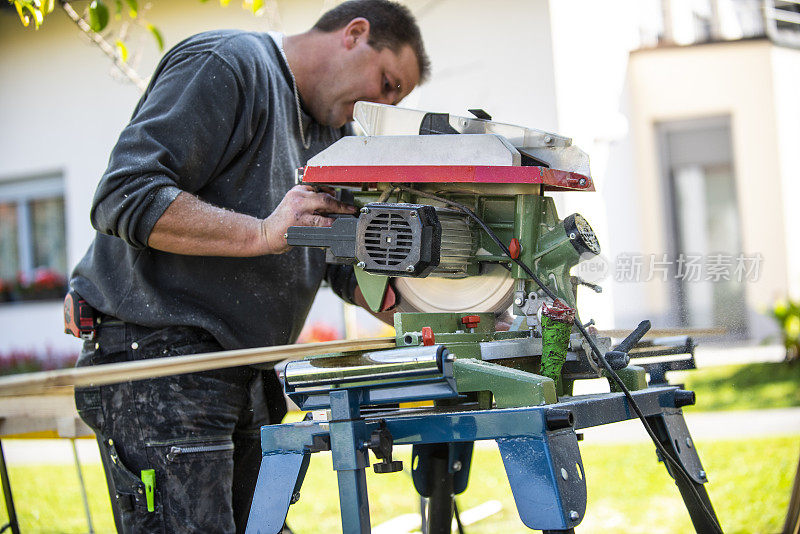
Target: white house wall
pixel 591 44
pixel 786 69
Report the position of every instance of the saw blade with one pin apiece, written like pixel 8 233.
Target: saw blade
pixel 492 291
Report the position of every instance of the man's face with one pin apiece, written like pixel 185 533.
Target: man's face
pixel 360 72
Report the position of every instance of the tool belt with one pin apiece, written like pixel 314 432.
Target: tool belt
pixel 80 319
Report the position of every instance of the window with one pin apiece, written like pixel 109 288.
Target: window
pixel 33 255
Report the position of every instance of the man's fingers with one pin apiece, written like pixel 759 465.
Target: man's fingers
pixel 300 191
pixel 325 203
pixel 315 219
pixel 326 189
pixel 318 188
pixel 305 198
pixel 321 203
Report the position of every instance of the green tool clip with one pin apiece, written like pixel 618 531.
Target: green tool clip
pixel 149 479
pixel 555 344
pixel 557 322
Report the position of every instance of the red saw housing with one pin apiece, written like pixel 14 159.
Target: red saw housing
pixel 357 175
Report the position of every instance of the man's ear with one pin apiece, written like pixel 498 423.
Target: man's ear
pixel 357 30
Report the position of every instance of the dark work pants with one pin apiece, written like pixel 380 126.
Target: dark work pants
pixel 199 432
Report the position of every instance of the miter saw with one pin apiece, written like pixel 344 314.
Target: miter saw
pixel 454 221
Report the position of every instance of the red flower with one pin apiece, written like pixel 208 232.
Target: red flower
pixel 44 278
pixel 319 331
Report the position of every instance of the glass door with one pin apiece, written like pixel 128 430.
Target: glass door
pixel 704 225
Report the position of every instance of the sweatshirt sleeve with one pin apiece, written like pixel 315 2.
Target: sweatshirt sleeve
pixel 342 280
pixel 187 127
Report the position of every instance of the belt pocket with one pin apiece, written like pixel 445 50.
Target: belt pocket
pixel 131 497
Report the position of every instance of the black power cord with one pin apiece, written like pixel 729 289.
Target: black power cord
pixel 677 467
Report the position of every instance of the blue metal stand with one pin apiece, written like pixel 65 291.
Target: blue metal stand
pixel 278 485
pixel 12 513
pixel 538 446
pixel 349 447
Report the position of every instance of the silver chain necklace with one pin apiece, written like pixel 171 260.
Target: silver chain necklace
pixel 306 143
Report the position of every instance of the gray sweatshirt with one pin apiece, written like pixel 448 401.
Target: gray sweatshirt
pixel 218 120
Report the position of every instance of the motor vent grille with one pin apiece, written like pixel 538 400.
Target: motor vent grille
pixel 398 239
pixel 388 239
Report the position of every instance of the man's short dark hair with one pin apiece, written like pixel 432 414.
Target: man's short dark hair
pixel 391 26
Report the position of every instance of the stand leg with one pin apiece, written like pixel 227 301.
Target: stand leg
pixel 12 513
pixel 83 487
pixel 353 500
pixel 348 435
pixel 440 471
pixel 439 513
pixel 673 434
pixel 279 479
pixel 792 523
pixel 547 479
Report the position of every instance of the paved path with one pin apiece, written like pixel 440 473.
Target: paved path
pixel 709 355
pixel 707 426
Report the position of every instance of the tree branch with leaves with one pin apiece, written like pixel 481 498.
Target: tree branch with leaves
pixel 110 28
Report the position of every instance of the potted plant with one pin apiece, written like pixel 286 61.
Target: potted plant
pixel 43 284
pixel 787 314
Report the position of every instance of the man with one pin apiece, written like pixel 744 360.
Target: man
pixel 190 254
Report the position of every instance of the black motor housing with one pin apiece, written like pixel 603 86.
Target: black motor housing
pixel 398 239
pixel 387 239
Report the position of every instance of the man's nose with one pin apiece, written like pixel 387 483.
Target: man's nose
pixel 384 98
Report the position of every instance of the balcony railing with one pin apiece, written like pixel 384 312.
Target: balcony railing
pixel 782 21
pixel 686 22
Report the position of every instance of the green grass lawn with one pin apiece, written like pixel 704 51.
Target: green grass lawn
pixel 750 483
pixel 743 387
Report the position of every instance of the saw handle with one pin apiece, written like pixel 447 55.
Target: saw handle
pixel 618 358
pixel 634 337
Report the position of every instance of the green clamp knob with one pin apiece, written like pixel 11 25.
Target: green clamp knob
pixel 149 479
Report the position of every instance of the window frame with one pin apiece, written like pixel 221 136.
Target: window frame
pixel 22 192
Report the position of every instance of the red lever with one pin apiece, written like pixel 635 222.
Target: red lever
pixel 471 321
pixel 427 336
pixel 514 248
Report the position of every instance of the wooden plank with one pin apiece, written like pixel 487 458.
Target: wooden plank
pixel 59 382
pixel 96 375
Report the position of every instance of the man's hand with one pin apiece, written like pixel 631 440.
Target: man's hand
pixel 302 206
pixel 194 227
pixel 503 322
